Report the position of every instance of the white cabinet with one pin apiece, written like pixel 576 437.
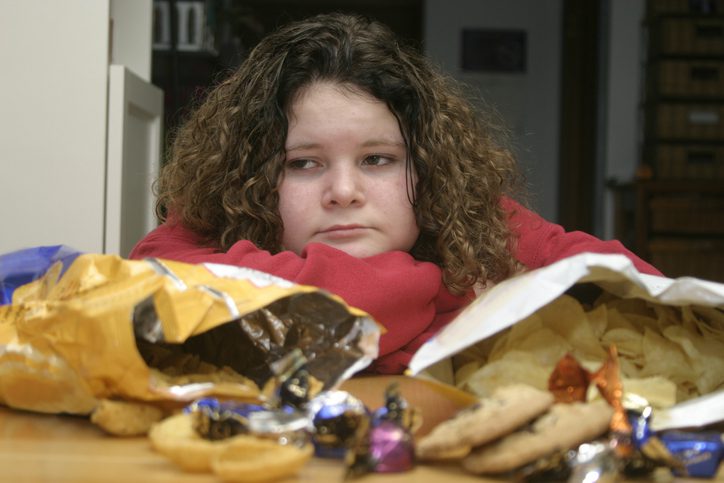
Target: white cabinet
pixel 66 123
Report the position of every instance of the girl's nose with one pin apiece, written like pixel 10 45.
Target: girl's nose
pixel 344 187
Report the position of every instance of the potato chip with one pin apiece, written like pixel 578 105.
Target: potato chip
pixel 705 355
pixel 618 320
pixel 513 335
pixel 547 346
pixel 664 357
pixel 627 341
pixel 566 317
pixel 658 391
pixel 629 368
pixel 668 316
pixel 667 354
pixel 515 367
pixel 465 372
pixel 598 320
pixel 709 322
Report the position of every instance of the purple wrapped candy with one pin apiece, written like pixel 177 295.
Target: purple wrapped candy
pixel 383 443
pixel 390 440
pixel 391 447
pixel 700 452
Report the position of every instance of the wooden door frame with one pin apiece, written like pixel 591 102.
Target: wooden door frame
pixel 579 113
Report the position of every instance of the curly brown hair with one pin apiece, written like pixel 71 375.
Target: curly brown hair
pixel 226 160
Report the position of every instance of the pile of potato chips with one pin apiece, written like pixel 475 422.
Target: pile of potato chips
pixel 667 354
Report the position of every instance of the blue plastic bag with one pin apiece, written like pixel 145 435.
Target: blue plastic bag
pixel 23 266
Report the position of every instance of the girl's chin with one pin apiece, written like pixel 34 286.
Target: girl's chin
pixel 357 250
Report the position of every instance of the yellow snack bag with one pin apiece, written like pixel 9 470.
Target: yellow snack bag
pixel 158 330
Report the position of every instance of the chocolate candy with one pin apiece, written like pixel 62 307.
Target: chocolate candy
pixel 396 409
pixel 216 420
pixel 699 452
pixel 336 417
pixel 593 462
pixel 285 425
pixel 292 380
pixel 384 448
pixel 383 443
pixel 391 447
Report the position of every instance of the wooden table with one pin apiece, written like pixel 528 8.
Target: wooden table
pixel 50 448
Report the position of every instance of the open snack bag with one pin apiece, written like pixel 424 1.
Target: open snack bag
pixel 669 335
pixel 163 331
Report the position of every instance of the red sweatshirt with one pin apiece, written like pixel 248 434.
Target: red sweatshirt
pixel 404 295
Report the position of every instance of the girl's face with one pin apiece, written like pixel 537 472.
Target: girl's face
pixel 344 175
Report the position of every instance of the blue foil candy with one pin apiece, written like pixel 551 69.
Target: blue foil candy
pixel 23 266
pixel 336 417
pixel 700 452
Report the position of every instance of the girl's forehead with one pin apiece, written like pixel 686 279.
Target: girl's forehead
pixel 325 87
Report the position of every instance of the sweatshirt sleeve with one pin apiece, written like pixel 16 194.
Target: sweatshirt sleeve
pixel 448 307
pixel 541 243
pixel 398 291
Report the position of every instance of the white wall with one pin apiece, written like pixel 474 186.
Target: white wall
pixel 53 123
pixel 132 32
pixel 54 112
pixel 528 102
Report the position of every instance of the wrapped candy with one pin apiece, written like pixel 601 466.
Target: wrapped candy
pixel 24 266
pixel 686 453
pixel 384 442
pixel 216 420
pixel 569 380
pixel 700 453
pixel 336 417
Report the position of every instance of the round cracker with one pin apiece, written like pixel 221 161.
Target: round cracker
pixel 176 439
pixel 126 418
pixel 563 427
pixel 252 459
pixel 508 408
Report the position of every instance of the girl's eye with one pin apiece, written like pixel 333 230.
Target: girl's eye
pixel 376 160
pixel 301 164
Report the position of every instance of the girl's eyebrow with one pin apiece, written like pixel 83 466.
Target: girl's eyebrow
pixel 367 144
pixel 296 147
pixel 383 142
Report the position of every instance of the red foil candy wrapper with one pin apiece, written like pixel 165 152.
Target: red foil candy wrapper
pixel 608 381
pixel 569 381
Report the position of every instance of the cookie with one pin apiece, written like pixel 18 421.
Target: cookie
pixel 564 426
pixel 507 409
